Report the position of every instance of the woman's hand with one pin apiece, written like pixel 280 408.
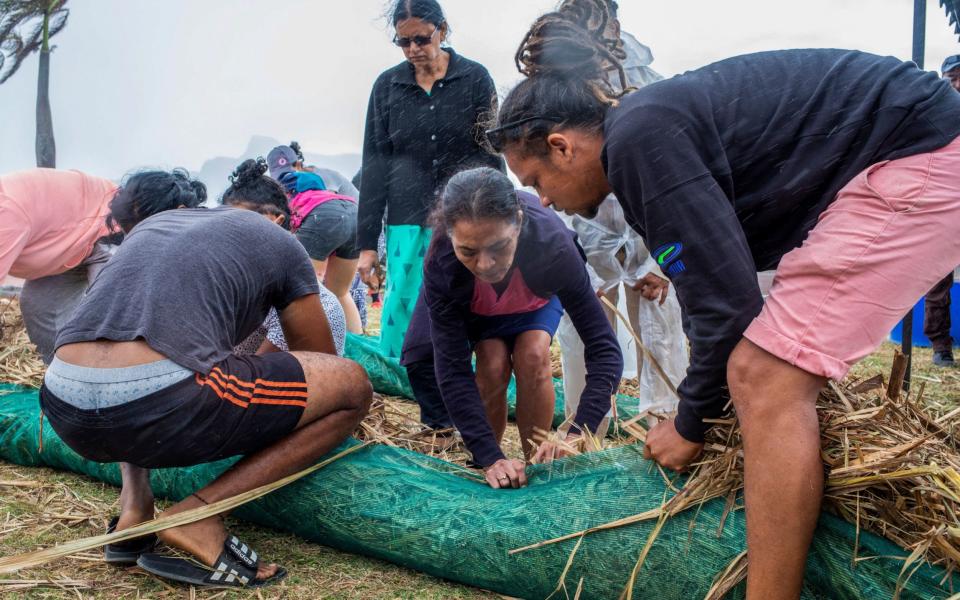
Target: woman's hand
pixel 550 451
pixel 506 473
pixel 367 267
pixel 652 287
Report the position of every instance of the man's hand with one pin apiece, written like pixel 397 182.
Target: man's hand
pixel 669 448
pixel 367 267
pixel 506 473
pixel 652 287
pixel 550 451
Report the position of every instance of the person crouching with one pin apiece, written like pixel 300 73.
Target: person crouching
pixel 500 271
pixel 143 375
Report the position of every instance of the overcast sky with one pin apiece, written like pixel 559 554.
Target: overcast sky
pixel 173 82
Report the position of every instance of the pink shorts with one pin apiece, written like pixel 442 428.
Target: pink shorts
pixel 890 235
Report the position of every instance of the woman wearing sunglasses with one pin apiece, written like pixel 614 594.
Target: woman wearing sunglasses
pixel 421 128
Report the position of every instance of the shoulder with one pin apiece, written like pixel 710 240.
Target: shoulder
pixel 251 225
pixel 470 69
pixel 390 75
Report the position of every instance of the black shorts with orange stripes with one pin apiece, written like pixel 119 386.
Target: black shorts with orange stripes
pixel 243 405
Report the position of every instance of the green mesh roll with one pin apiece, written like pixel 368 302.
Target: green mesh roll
pixel 435 517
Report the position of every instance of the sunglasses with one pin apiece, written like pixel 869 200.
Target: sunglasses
pixel 419 40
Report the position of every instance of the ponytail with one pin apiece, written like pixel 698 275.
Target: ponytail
pixel 567 56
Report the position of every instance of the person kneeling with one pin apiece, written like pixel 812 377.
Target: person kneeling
pixel 143 375
pixel 499 273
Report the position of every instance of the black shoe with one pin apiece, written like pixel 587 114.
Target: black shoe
pixel 125 554
pixel 944 358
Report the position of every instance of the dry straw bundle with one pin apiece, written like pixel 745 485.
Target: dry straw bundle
pixel 19 362
pixel 393 422
pixel 891 469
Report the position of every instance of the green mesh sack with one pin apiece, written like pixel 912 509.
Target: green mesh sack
pixel 435 517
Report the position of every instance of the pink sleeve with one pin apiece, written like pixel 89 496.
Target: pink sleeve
pixel 14 233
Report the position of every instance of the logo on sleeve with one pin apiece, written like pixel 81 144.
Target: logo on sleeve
pixel 668 257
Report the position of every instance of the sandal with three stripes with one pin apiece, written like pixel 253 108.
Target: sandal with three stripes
pixel 235 567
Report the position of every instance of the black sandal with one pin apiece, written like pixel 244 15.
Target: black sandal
pixel 236 567
pixel 127 552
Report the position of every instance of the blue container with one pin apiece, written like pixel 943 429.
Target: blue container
pixel 921 340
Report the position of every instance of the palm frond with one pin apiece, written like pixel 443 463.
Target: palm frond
pixel 18 16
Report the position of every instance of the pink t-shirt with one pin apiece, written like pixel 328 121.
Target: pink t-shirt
pixel 514 300
pixel 50 220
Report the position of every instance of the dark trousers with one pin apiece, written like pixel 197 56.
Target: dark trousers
pixel 936 315
pixel 426 391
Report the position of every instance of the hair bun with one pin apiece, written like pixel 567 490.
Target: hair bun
pixel 579 41
pixel 295 146
pixel 199 189
pixel 191 192
pixel 249 171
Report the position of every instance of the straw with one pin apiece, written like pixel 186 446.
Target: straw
pixel 19 362
pixel 31 559
pixel 893 469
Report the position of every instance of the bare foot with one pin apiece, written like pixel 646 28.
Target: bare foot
pixel 203 539
pixel 136 497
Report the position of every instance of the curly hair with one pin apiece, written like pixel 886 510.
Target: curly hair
pixel 567 57
pixel 249 185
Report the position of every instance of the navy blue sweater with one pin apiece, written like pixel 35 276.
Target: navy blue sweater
pixel 725 169
pixel 552 264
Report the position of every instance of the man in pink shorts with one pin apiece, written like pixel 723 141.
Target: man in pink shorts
pixel 836 168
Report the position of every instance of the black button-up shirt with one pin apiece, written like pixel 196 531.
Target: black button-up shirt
pixel 414 142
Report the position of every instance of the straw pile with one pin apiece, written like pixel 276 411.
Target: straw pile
pixel 891 469
pixel 396 422
pixel 19 362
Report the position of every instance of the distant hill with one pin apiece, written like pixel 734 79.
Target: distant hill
pixel 214 172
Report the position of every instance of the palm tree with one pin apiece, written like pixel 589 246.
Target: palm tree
pixel 44 19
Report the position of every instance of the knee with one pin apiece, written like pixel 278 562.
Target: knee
pixel 532 361
pixel 360 390
pixel 745 377
pixel 494 371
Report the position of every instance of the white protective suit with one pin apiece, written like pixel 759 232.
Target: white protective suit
pixel 617 259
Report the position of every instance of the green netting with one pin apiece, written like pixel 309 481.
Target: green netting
pixel 435 517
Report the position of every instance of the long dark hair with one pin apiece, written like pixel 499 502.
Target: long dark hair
pixel 474 194
pixel 250 185
pixel 147 193
pixel 568 56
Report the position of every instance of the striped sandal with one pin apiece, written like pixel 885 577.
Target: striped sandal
pixel 235 567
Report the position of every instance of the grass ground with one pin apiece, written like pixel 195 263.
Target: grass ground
pixel 42 507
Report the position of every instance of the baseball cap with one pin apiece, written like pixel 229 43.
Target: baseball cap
pixel 280 161
pixel 950 63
